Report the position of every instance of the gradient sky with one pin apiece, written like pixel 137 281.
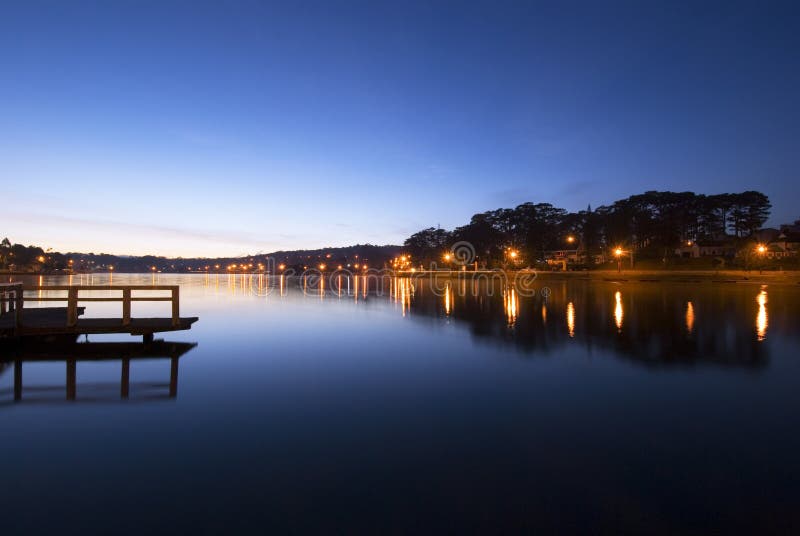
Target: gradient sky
pixel 184 128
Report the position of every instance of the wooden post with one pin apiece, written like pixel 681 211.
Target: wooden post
pixel 125 381
pixel 126 306
pixel 175 306
pixel 72 306
pixel 18 305
pixel 71 378
pixel 17 380
pixel 173 378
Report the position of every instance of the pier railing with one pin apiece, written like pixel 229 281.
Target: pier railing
pixel 11 301
pixel 74 296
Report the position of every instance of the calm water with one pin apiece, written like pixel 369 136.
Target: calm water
pixel 595 407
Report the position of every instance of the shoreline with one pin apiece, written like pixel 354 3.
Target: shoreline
pixel 788 277
pixel 642 276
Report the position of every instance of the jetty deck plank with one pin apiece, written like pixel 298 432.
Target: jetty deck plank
pixel 38 315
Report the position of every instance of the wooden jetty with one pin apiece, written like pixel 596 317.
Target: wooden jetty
pixel 33 350
pixel 18 321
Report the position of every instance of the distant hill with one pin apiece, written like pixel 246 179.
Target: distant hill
pixel 34 259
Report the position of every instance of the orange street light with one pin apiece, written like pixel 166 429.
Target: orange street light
pixel 322 266
pixel 570 239
pixel 447 257
pixel 761 249
pixel 618 253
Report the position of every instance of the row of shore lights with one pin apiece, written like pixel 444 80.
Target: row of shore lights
pixel 760 248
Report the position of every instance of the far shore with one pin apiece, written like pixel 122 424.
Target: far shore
pixel 645 276
pixel 790 277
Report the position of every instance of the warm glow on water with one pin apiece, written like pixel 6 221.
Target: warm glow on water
pixel 571 319
pixel 448 299
pixel 401 290
pixel 762 320
pixel 689 317
pixel 511 306
pixel 618 310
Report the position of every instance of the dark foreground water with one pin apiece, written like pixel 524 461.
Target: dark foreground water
pixel 460 407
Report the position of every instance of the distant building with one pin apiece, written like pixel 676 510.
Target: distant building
pixel 571 256
pixel 787 244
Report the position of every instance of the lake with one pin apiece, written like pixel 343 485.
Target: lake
pixel 419 406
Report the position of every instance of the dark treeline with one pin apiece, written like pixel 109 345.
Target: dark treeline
pixel 651 223
pixel 19 254
pixel 21 258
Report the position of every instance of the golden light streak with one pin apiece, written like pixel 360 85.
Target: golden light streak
pixel 618 310
pixel 511 306
pixel 762 320
pixel 571 319
pixel 689 317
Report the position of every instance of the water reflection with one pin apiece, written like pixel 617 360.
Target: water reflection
pixel 654 324
pixel 401 291
pixel 510 297
pixel 761 318
pixel 571 319
pixel 72 354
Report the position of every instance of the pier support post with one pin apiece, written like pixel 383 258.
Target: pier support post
pixel 17 380
pixel 173 378
pixel 17 304
pixel 71 378
pixel 125 381
pixel 176 307
pixel 72 306
pixel 126 306
pixel 147 338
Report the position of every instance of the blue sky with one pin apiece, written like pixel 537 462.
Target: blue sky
pixel 190 128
